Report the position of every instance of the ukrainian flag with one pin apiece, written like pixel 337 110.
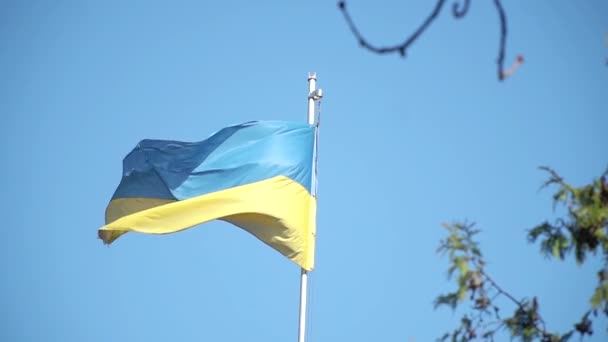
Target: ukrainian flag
pixel 256 175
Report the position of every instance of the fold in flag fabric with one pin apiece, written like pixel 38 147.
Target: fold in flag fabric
pixel 256 175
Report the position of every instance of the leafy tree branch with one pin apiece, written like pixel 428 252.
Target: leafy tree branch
pixel 583 232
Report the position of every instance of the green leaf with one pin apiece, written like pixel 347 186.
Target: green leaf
pixel 462 264
pixel 534 233
pixel 556 250
pixel 462 293
pixel 597 298
pixel 451 300
pixel 559 246
pixel 560 195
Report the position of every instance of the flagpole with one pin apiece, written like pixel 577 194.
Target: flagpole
pixel 303 291
pixel 312 85
pixel 313 95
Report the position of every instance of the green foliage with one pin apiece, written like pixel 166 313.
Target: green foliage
pixel 584 232
pixel 524 322
pixel 474 285
pixel 465 258
pixel 599 300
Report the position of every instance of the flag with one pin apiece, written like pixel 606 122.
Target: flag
pixel 255 175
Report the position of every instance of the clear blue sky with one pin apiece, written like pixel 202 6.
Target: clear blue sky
pixel 405 145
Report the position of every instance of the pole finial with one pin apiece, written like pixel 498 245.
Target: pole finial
pixel 312 75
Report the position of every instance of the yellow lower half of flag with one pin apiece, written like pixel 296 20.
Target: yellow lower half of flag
pixel 278 211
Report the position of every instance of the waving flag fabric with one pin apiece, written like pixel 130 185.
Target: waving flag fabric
pixel 256 176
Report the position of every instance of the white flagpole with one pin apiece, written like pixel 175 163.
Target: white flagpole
pixel 312 85
pixel 303 291
pixel 313 94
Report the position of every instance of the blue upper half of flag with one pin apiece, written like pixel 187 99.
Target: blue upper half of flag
pixel 233 156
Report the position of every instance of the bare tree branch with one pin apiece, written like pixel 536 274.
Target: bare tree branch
pixel 503 38
pixel 401 48
pixel 459 10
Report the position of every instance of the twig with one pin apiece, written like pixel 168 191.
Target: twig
pixel 500 290
pixel 517 302
pixel 487 324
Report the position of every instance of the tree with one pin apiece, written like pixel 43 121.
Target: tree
pixel 582 233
